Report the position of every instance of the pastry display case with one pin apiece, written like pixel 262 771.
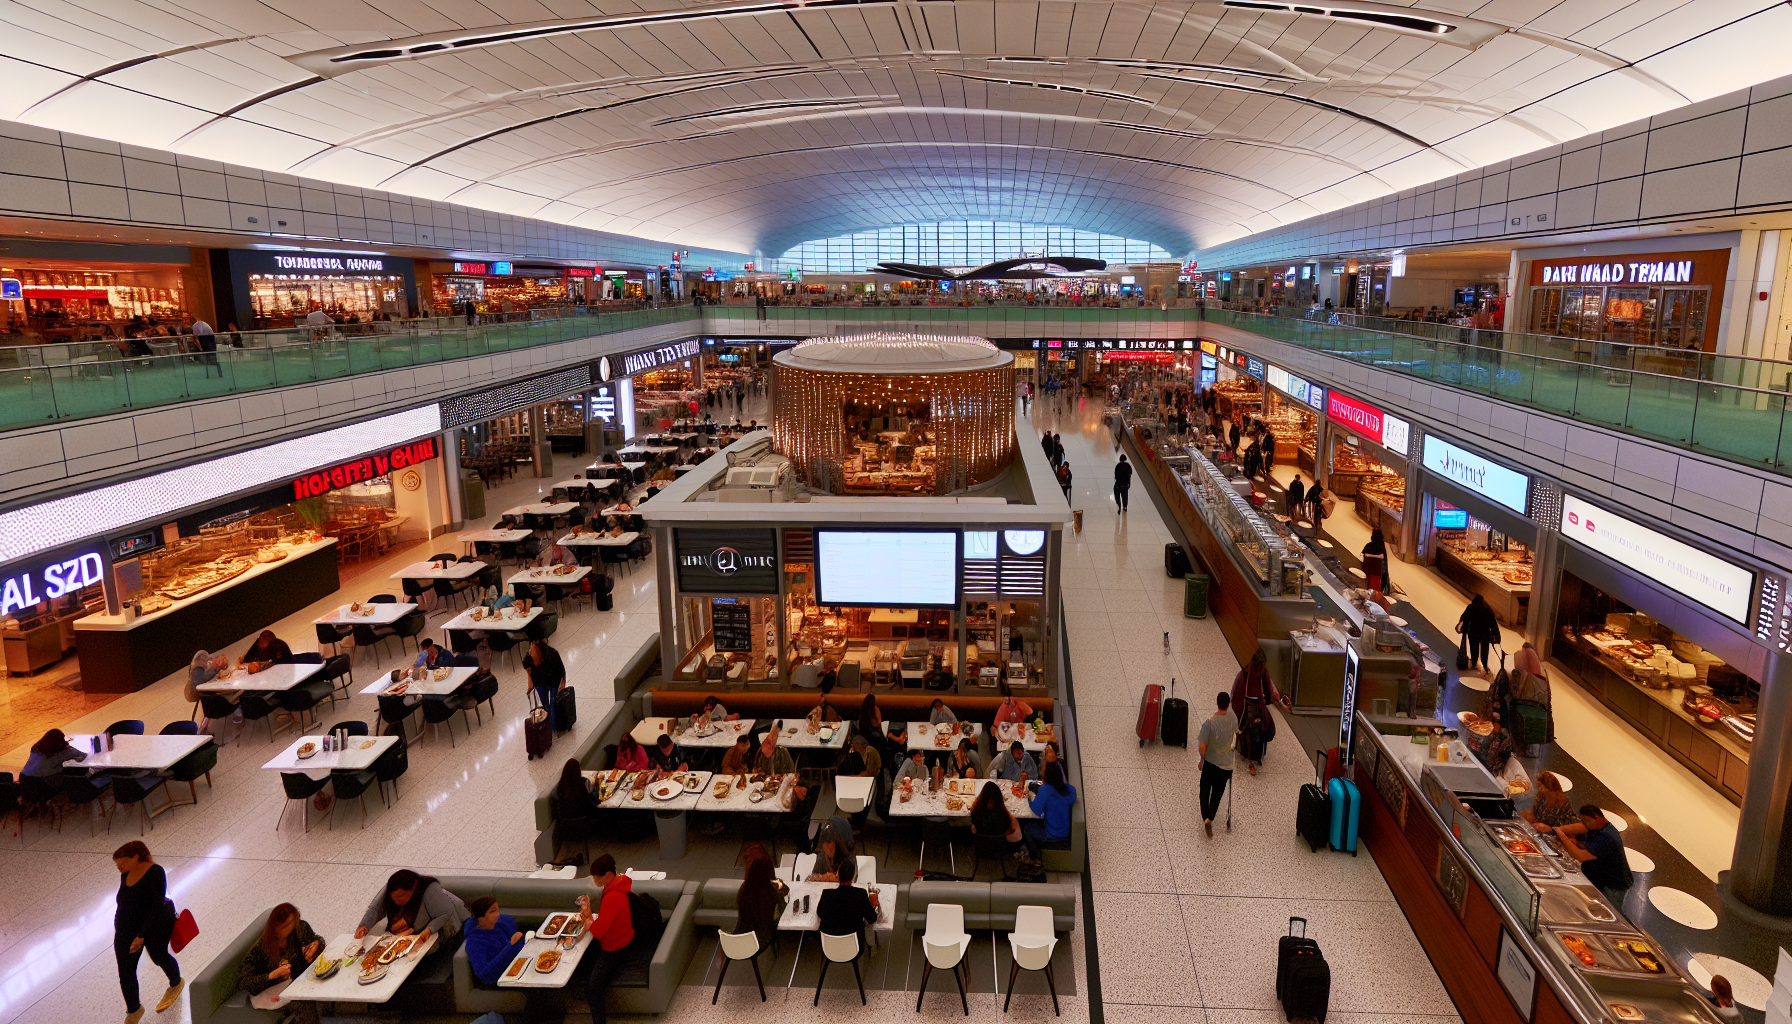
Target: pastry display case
pixel 189 566
pixel 1482 560
pixel 1350 468
pixel 1295 425
pixel 1238 396
pixel 1381 502
pixel 1692 703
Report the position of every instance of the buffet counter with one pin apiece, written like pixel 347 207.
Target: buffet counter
pixel 1510 601
pixel 123 654
pixel 1512 926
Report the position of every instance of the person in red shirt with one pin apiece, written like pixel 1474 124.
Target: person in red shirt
pixel 613 927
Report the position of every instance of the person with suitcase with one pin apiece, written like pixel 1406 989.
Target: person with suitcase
pixel 547 675
pixel 1252 693
pixel 1218 736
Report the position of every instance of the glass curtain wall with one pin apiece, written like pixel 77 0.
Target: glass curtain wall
pixel 961 243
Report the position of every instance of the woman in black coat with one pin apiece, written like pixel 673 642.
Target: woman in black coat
pixel 1480 630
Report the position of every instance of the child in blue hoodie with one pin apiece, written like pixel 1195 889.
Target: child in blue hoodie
pixel 493 940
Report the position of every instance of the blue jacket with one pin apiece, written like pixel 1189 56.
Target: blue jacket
pixel 490 950
pixel 1054 809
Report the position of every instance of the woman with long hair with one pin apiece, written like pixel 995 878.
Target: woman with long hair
pixel 990 816
pixel 761 901
pixel 1252 693
pixel 143 923
pixel 415 904
pixel 631 756
pixel 1551 806
pixel 49 754
pixel 1052 803
pixel 287 947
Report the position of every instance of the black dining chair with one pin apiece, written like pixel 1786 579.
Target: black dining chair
pixel 332 635
pixel 349 726
pixel 410 627
pixel 350 785
pixel 135 791
pixel 382 599
pixel 180 729
pixel 390 766
pixel 414 590
pixel 441 557
pixel 340 671
pixel 440 710
pixel 482 688
pixel 128 727
pixel 217 708
pixel 257 706
pixel 499 642
pixel 194 766
pixel 308 658
pixel 300 787
pixel 394 711
pixel 304 698
pixel 528 591
pixel 39 795
pixel 89 793
pixel 543 627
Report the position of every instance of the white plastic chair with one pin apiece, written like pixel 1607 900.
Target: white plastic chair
pixel 865 876
pixel 839 949
pixel 852 794
pixel 742 946
pixel 945 943
pixel 1033 941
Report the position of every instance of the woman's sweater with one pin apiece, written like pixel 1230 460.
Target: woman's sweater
pixel 258 964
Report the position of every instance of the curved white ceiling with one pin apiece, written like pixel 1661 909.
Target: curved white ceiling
pixel 752 125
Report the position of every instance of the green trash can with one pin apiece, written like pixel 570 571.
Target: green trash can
pixel 1194 596
pixel 472 495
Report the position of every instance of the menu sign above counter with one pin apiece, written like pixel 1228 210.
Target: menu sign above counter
pixel 1360 417
pixel 312 485
pixel 1296 388
pixel 727 561
pixel 26 588
pixel 1467 470
pixel 1682 568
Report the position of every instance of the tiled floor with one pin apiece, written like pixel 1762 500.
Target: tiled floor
pixel 1186 925
pixel 1182 921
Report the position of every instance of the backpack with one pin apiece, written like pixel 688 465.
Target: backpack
pixel 644 917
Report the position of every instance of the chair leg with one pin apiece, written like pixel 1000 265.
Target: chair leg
pixel 823 980
pixel 861 983
pixel 1013 971
pixel 921 993
pixel 961 996
pixel 756 979
pixel 1053 985
pixel 719 977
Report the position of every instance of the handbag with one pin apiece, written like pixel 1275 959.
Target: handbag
pixel 185 929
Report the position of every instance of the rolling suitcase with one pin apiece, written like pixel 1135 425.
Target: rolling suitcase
pixel 566 712
pixel 1313 815
pixel 1150 713
pixel 1174 727
pixel 1175 561
pixel 538 732
pixel 1345 803
pixel 1305 984
pixel 1288 947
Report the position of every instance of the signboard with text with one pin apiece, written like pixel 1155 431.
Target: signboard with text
pixel 313 485
pixel 1719 585
pixel 1359 417
pixel 1475 473
pixel 727 561
pixel 24 588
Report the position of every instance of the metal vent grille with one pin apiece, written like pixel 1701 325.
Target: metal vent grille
pixel 1023 577
pixel 799 545
pixel 982 576
pixel 1546 503
pixel 495 402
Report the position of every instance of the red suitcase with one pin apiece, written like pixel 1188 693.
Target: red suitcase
pixel 1150 713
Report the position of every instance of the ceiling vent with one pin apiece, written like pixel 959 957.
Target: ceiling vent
pixel 1382 19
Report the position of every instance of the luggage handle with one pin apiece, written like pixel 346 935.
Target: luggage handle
pixel 1319 768
pixel 1303 926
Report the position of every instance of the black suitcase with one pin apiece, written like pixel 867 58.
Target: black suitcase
pixel 1288 947
pixel 538 729
pixel 1174 728
pixel 1313 817
pixel 604 601
pixel 566 709
pixel 1175 561
pixel 1306 983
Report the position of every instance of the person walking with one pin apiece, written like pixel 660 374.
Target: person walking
pixel 547 674
pixel 1064 479
pixel 1122 482
pixel 1375 562
pixel 1297 496
pixel 1252 693
pixel 1480 630
pixel 1058 445
pixel 207 341
pixel 1215 741
pixel 143 923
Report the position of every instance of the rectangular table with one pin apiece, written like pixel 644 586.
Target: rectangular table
pixel 621 800
pixel 597 540
pixel 544 508
pixel 606 471
pixel 371 614
pixel 468 539
pixel 737 800
pixel 562 972
pixel 803 740
pixel 361 753
pixel 1005 735
pixel 548 575
pixel 431 571
pixel 795 920
pixel 722 738
pixel 505 620
pixel 344 986
pixel 274 677
pixel 137 753
pixel 431 687
pixel 933 805
pixel 618 510
pixel 921 736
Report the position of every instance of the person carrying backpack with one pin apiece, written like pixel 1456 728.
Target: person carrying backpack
pixel 612 925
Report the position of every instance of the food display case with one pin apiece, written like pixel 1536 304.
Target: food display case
pixel 1238 396
pixel 1350 467
pixel 1481 560
pixel 1232 518
pixel 1381 502
pixel 1295 426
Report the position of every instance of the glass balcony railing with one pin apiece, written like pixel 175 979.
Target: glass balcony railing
pixel 98 378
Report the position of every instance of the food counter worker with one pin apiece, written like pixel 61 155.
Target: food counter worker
pixel 411 903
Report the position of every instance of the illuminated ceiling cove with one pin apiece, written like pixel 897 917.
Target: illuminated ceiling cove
pixel 756 124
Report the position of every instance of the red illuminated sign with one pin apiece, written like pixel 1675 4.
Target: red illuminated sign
pixel 1139 357
pixel 312 485
pixel 583 272
pixel 1359 417
pixel 471 268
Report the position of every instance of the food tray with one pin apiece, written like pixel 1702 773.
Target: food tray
pixel 1652 1000
pixel 1623 956
pixel 546 962
pixel 517 967
pixel 1536 865
pixel 369 975
pixel 1572 906
pixel 330 968
pixel 553 925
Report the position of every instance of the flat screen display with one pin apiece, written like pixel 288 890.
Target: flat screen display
pixel 887 568
pixel 1451 519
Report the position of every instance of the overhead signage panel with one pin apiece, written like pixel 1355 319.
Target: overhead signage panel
pixel 1682 568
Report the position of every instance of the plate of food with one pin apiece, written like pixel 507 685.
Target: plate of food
pixel 307 749
pixel 826 733
pixel 723 786
pixel 546 962
pixel 941 740
pixel 693 783
pixel 399 947
pixel 756 796
pixel 326 967
pixel 517 967
pixel 667 789
pixel 954 804
pixel 395 690
pixel 1520 846
pixel 440 674
pixel 552 926
pixel 369 975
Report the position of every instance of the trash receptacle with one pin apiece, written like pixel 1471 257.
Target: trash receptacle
pixel 544 459
pixel 1194 596
pixel 1078 516
pixel 472 495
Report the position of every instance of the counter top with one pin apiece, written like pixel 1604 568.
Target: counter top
pixel 118 623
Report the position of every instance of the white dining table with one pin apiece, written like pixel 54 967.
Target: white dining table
pixel 1005 735
pixel 721 737
pixel 803 739
pixel 383 613
pixel 428 687
pixel 562 972
pixel 738 799
pixel 344 986
pixel 272 678
pixel 622 799
pixel 543 508
pixel 505 620
pixel 925 804
pixel 361 753
pixel 618 510
pixel 494 537
pixel 434 571
pixel 922 736
pixel 137 753
pixel 597 540
pixel 801 921
pixel 546 574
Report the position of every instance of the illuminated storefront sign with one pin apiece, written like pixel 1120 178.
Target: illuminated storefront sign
pixel 1712 582
pixel 1471 472
pixel 1360 417
pixel 1296 388
pixel 335 264
pixel 312 485
pixel 47 582
pixel 1646 272
pixel 641 362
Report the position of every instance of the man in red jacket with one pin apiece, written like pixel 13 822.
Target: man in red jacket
pixel 613 928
